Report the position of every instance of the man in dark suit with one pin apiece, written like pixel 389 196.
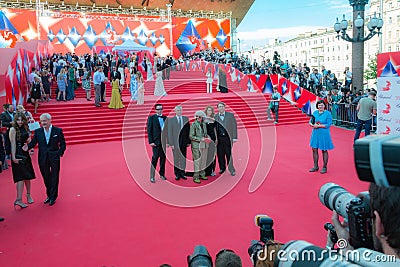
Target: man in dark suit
pixel 115 74
pixel 6 119
pixel 226 135
pixel 178 140
pixel 51 148
pixel 168 65
pixel 222 84
pixel 157 136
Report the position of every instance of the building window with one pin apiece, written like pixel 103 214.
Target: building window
pixel 338 58
pixel 389 48
pixel 390 20
pixel 390 34
pixel 328 49
pixel 398 18
pixel 397 34
pixel 347 57
pixel 333 58
pixel 347 47
pixel 397 47
pixel 390 5
pixel 333 49
pixel 338 48
pixel 322 41
pixel 327 59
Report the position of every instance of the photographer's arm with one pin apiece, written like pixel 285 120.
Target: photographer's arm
pixel 341 230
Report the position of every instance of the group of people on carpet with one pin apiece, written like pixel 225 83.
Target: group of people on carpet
pixel 18 146
pixel 208 135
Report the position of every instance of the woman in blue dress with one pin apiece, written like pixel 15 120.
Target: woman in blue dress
pixel 133 84
pixel 321 122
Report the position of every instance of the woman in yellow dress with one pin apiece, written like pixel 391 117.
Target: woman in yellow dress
pixel 115 101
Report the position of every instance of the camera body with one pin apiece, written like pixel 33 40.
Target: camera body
pixel 360 223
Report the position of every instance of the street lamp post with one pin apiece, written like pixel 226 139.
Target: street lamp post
pixel 374 26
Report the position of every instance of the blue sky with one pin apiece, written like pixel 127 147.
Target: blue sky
pixel 269 19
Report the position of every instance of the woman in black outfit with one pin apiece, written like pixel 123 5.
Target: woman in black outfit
pixel 212 133
pixel 46 84
pixel 36 92
pixel 21 163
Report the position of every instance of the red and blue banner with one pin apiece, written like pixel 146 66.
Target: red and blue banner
pixel 388 98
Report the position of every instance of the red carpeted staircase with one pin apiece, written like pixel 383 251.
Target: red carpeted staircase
pixel 84 123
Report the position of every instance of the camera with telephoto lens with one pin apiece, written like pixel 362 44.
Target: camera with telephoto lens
pixel 200 257
pixel 355 210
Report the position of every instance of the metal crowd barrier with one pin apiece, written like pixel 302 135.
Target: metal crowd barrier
pixel 346 115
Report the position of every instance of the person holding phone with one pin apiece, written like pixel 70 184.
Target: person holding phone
pixel 321 122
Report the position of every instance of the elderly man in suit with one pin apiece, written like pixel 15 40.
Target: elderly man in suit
pixel 115 73
pixel 157 137
pixel 226 135
pixel 51 142
pixel 178 140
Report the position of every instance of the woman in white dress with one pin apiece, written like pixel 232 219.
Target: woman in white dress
pixel 159 87
pixel 121 70
pixel 149 70
pixel 140 91
pixel 209 81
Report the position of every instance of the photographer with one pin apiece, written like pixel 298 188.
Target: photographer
pixel 227 258
pixel 385 220
pixel 315 81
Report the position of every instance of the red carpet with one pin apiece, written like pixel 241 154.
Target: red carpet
pixel 103 218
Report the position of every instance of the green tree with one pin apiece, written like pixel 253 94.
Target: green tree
pixel 370 72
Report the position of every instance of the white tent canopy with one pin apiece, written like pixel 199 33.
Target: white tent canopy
pixel 130 45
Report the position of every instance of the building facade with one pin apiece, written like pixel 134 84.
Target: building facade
pixel 323 48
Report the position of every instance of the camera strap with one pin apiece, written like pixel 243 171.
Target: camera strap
pixel 376 160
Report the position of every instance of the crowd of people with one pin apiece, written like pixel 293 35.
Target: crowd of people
pixel 123 72
pixel 209 135
pixel 340 97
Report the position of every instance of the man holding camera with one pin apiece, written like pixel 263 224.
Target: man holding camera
pixel 385 220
